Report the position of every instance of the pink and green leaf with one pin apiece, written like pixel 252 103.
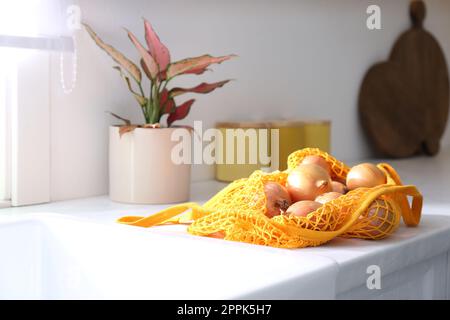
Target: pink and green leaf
pixel 144 67
pixel 118 57
pixel 196 65
pixel 149 62
pixel 202 88
pixel 180 113
pixel 140 99
pixel 126 121
pixel 158 50
pixel 167 104
pixel 126 129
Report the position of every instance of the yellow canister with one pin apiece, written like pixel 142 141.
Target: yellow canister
pixel 267 139
pixel 295 135
pixel 256 138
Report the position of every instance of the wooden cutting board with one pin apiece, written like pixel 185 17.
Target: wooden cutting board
pixel 404 102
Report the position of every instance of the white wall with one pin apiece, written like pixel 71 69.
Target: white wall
pixel 297 59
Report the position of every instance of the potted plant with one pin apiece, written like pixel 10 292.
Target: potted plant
pixel 140 165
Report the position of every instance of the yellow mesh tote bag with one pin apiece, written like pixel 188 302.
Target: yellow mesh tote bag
pixel 237 212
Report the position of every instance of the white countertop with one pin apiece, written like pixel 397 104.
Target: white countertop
pixel 344 259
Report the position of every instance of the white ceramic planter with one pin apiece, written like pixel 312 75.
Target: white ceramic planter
pixel 141 170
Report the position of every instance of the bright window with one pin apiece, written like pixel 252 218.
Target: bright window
pixel 29 29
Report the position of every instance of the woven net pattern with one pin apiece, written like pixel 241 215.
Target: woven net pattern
pixel 237 213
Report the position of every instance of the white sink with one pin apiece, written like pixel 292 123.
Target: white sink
pixel 50 256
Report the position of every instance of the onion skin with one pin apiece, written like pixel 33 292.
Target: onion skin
pixel 303 208
pixel 327 197
pixel 278 199
pixel 317 160
pixel 365 175
pixel 308 181
pixel 338 187
pixel 384 222
pixel 217 235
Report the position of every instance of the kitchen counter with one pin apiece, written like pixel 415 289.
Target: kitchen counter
pixel 414 262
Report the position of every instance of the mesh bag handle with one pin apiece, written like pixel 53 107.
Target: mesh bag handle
pixel 409 217
pixel 177 214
